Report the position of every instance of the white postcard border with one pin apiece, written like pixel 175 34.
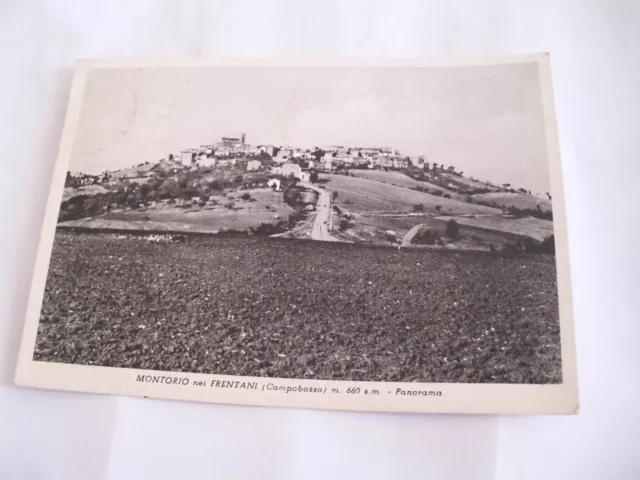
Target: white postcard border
pixel 453 397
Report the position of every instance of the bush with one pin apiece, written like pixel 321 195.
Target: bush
pixel 446 195
pixel 293 197
pixel 295 217
pixel 265 229
pixel 246 197
pixel 452 230
pixel 426 237
pixel 438 208
pixel 418 208
pixel 345 224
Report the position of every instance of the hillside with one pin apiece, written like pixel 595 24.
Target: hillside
pixel 509 199
pixel 534 228
pixel 401 180
pixel 363 195
pixel 457 182
pixel 384 207
pixel 88 190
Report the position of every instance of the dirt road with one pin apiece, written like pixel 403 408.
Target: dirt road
pixel 320 228
pixel 406 240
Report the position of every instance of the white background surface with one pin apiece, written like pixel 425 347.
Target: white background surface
pixel 594 47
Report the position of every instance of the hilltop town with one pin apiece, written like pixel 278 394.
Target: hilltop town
pixel 339 193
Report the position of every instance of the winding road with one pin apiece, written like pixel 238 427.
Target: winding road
pixel 320 228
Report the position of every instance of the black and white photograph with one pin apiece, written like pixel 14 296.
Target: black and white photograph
pixel 355 223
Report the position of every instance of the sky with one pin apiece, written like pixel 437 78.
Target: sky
pixel 485 120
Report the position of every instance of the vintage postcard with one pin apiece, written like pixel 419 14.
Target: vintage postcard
pixel 380 236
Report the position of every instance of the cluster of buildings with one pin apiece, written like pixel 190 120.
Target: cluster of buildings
pixel 296 161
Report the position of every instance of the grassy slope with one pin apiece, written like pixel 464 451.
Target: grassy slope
pixel 362 195
pixel 531 227
pixel 88 190
pixel 518 200
pixel 460 181
pixel 216 305
pixel 207 219
pixel 400 180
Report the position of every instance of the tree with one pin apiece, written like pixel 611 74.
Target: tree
pixel 438 208
pixel 313 177
pixel 452 230
pixel 418 208
pixel 238 179
pixel 334 195
pixel 345 224
pixel 426 237
pixel 246 197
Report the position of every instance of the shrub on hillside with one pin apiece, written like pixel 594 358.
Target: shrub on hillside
pixel 453 230
pixel 426 237
pixel 345 224
pixel 293 197
pixel 296 217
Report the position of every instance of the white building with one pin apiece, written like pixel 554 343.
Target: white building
pixel 291 169
pixel 207 161
pixel 283 156
pixel 253 165
pixel 268 149
pixel 185 157
pixel 274 184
